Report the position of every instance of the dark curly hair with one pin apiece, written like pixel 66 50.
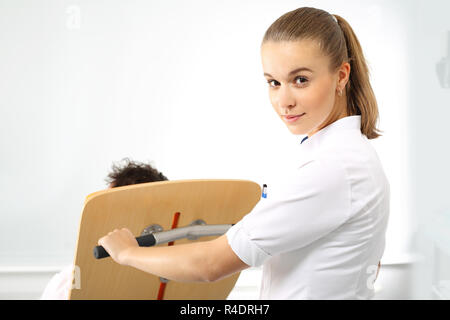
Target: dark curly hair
pixel 132 172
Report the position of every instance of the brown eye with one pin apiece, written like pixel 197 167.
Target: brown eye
pixel 302 82
pixel 270 81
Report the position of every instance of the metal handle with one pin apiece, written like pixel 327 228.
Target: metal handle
pixel 190 232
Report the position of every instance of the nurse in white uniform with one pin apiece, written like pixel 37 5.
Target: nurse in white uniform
pixel 320 232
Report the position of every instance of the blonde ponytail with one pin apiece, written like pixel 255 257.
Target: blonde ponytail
pixel 360 96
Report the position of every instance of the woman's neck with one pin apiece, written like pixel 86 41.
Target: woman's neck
pixel 335 115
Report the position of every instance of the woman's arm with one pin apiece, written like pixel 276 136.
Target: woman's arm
pixel 205 261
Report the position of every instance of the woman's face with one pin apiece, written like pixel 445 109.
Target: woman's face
pixel 311 93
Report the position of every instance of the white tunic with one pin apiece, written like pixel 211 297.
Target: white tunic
pixel 320 232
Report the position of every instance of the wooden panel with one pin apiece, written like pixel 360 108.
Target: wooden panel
pixel 138 206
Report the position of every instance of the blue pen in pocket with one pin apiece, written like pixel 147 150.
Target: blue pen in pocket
pixel 264 191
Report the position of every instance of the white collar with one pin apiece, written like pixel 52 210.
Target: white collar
pixel 346 123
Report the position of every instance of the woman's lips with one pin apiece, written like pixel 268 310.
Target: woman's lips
pixel 293 118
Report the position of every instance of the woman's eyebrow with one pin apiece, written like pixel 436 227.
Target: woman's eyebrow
pixel 293 71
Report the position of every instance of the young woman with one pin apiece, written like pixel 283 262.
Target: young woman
pixel 320 233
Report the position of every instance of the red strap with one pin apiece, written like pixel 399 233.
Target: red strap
pixel 162 285
pixel 162 288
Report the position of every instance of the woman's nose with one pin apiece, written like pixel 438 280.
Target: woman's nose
pixel 285 100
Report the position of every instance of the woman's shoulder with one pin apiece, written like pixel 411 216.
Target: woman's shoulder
pixel 349 146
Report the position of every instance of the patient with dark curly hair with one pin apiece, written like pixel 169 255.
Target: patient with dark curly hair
pixel 124 173
pixel 132 172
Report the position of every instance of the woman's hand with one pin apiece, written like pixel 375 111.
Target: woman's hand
pixel 118 244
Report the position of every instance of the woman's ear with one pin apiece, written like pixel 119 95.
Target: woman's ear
pixel 344 75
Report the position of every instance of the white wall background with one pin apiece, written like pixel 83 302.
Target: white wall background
pixel 180 84
pixel 429 154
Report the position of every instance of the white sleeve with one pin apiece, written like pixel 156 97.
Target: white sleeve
pixel 309 204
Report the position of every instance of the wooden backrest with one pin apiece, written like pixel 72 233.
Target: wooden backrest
pixel 137 206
